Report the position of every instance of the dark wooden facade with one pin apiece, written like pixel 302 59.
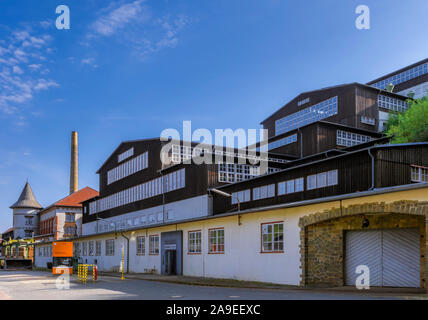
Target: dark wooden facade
pixel 392 168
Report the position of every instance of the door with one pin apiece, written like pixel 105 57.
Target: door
pixel 393 257
pixel 170 262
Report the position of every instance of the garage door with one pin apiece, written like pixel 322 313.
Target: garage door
pixel 393 257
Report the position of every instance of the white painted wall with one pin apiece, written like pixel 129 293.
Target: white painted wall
pixel 19 225
pixel 242 259
pixel 40 260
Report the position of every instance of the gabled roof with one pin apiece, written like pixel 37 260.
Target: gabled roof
pixel 26 199
pixel 301 95
pixel 74 199
pixel 120 145
pixel 8 230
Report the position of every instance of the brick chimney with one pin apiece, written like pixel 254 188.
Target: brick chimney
pixel 74 164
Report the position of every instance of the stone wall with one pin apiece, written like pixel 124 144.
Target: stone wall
pixel 322 236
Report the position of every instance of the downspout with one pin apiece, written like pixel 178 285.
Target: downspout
pixel 127 252
pixel 301 142
pixel 373 168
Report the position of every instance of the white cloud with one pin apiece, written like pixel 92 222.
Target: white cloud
pixel 118 18
pixel 22 50
pixel 90 62
pixel 17 70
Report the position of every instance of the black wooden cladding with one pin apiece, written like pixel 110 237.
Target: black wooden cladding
pixel 354 101
pixel 392 168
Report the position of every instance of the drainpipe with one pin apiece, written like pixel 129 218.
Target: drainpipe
pixel 373 169
pixel 301 142
pixel 127 252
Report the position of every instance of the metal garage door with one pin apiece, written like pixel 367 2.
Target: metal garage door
pixel 391 255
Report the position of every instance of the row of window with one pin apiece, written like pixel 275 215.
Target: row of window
pixel 306 116
pixel 230 172
pixel 320 180
pixel 282 142
pixel 167 183
pixel 403 76
pixel 127 168
pixel 349 139
pixel 70 217
pixel 125 155
pixel 45 251
pixel 392 103
pixel 419 174
pixel 368 120
pixel 46 226
pixel 141 220
pixel 70 231
pixel 183 153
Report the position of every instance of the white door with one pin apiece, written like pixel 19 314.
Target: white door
pixel 392 256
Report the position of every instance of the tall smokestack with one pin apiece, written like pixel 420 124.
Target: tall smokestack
pixel 74 164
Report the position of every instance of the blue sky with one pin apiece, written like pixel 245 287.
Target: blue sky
pixel 129 69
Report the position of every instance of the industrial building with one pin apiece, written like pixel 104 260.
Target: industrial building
pixel 336 194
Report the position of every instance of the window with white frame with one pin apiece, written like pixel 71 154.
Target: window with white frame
pixel 91 248
pixel 368 120
pixel 125 155
pixel 243 196
pixel 291 186
pixel 85 248
pixel 264 192
pixel 407 75
pixel 128 168
pixel 98 248
pixel 306 116
pixel 195 241
pixel 392 103
pixel 110 247
pixel 170 182
pixel 349 139
pixel 321 180
pixel 419 174
pixel 154 244
pixel 273 237
pixel 216 240
pixel 141 246
pixel 282 142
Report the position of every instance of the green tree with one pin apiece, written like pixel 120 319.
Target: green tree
pixel 411 125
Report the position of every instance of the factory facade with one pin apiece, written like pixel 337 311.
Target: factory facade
pixel 334 194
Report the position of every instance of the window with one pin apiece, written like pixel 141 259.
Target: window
pixel 28 221
pixel 195 241
pixel 264 192
pixel 110 247
pixel 273 237
pixel 349 139
pixel 85 248
pixel 282 142
pixel 368 120
pixel 392 103
pixel 125 155
pixel 141 246
pixel 403 76
pixel 216 240
pixel 69 217
pixel 243 196
pixel 154 245
pixel 306 116
pixel 419 174
pixel 91 248
pixel 312 182
pixel 322 180
pixel 78 249
pixel 128 168
pixel 290 186
pixel 98 248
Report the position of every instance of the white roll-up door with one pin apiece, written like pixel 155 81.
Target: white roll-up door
pixel 393 257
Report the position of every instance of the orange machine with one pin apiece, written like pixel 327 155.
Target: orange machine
pixel 62 256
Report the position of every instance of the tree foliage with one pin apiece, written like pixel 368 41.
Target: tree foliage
pixel 411 125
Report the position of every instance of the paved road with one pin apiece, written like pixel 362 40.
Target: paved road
pixel 42 286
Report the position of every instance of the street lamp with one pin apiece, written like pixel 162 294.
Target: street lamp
pixel 225 194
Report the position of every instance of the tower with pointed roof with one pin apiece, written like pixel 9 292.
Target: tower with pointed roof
pixel 25 210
